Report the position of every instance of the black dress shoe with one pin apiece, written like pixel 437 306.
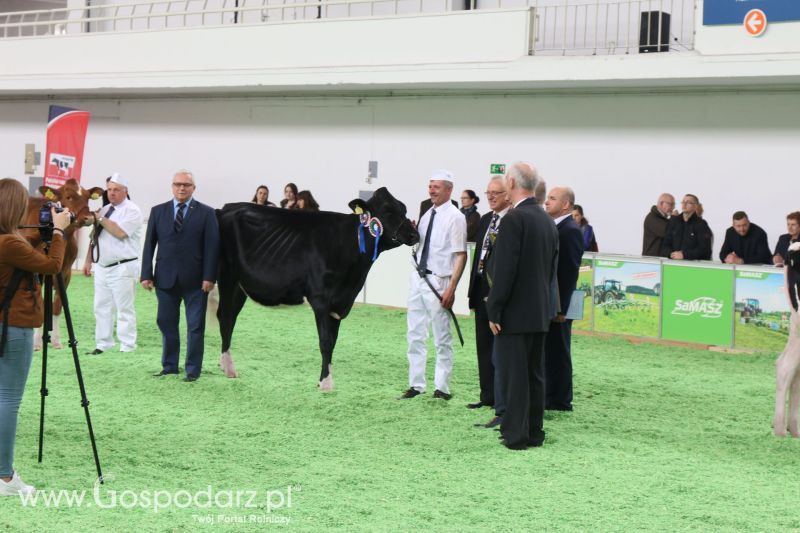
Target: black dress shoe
pixel 96 351
pixel 523 446
pixel 190 379
pixel 443 395
pixel 410 393
pixel 477 405
pixel 164 373
pixel 494 422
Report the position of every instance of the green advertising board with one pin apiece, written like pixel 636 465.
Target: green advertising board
pixel 762 310
pixel 697 304
pixel 627 297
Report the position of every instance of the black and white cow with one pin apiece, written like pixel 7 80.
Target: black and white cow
pixel 281 256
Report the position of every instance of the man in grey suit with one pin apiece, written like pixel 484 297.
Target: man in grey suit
pixel 519 307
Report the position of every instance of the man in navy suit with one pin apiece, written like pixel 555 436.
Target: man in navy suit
pixel 557 358
pixel 187 236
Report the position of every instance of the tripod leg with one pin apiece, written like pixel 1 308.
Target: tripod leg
pixel 48 322
pixel 73 344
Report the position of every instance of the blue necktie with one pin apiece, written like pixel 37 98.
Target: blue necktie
pixel 178 226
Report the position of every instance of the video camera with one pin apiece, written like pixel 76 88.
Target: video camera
pixel 46 219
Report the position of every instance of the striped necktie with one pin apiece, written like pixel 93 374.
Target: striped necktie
pixel 178 226
pixel 488 243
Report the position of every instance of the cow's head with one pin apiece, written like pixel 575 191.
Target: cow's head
pixel 73 196
pixel 391 212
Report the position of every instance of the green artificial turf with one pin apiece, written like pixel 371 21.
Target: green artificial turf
pixel 661 438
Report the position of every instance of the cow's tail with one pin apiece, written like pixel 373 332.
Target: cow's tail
pixel 211 308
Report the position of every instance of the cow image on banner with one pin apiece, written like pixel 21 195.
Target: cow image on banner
pixel 66 136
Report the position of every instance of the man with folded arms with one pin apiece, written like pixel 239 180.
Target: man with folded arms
pixel 115 253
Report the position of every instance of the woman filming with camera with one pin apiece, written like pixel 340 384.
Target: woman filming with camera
pixel 25 312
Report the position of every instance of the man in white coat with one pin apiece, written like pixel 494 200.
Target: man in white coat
pixel 441 256
pixel 115 254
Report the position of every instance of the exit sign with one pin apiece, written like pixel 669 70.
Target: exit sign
pixel 497 168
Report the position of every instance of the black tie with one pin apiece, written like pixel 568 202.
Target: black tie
pixel 110 212
pixel 423 258
pixel 179 218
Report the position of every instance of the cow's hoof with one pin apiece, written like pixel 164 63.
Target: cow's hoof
pixel 326 385
pixel 779 432
pixel 794 433
pixel 37 347
pixel 57 345
pixel 226 363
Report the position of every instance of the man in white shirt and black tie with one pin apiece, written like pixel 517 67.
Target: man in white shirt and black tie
pixel 115 254
pixel 440 260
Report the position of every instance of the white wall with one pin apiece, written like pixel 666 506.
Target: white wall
pixel 619 151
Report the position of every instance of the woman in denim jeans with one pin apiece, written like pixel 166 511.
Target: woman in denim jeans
pixel 25 313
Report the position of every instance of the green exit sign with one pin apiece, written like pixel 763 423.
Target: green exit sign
pixel 497 168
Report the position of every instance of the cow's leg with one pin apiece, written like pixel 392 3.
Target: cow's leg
pixel 37 339
pixel 328 331
pixel 231 301
pixel 784 371
pixel 794 402
pixel 793 346
pixel 55 335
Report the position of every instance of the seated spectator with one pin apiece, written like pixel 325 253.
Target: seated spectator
pixel 589 241
pixel 305 201
pixel 468 206
pixel 745 243
pixel 289 196
pixel 655 224
pixel 261 197
pixel 688 235
pixel 782 248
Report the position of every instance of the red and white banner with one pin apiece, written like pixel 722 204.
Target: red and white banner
pixel 66 135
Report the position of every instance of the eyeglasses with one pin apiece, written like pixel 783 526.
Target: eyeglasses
pixel 187 185
pixel 688 202
pixel 492 194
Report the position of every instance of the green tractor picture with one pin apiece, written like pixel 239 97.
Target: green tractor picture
pixel 749 308
pixel 609 292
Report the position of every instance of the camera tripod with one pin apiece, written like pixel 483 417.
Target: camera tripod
pixel 73 344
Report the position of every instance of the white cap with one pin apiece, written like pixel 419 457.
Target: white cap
pixel 119 180
pixel 441 174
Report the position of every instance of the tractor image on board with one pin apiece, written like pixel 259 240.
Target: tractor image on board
pixel 749 308
pixel 608 292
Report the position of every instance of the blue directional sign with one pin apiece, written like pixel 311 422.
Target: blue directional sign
pixel 733 11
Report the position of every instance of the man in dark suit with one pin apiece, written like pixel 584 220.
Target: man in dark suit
pixel 781 254
pixel 488 227
pixel 557 358
pixel 520 273
pixel 745 243
pixel 187 236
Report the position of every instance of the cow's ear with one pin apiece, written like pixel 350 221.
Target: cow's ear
pixel 94 193
pixel 358 206
pixel 50 193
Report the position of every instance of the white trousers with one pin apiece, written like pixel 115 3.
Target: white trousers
pixel 114 289
pixel 424 307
